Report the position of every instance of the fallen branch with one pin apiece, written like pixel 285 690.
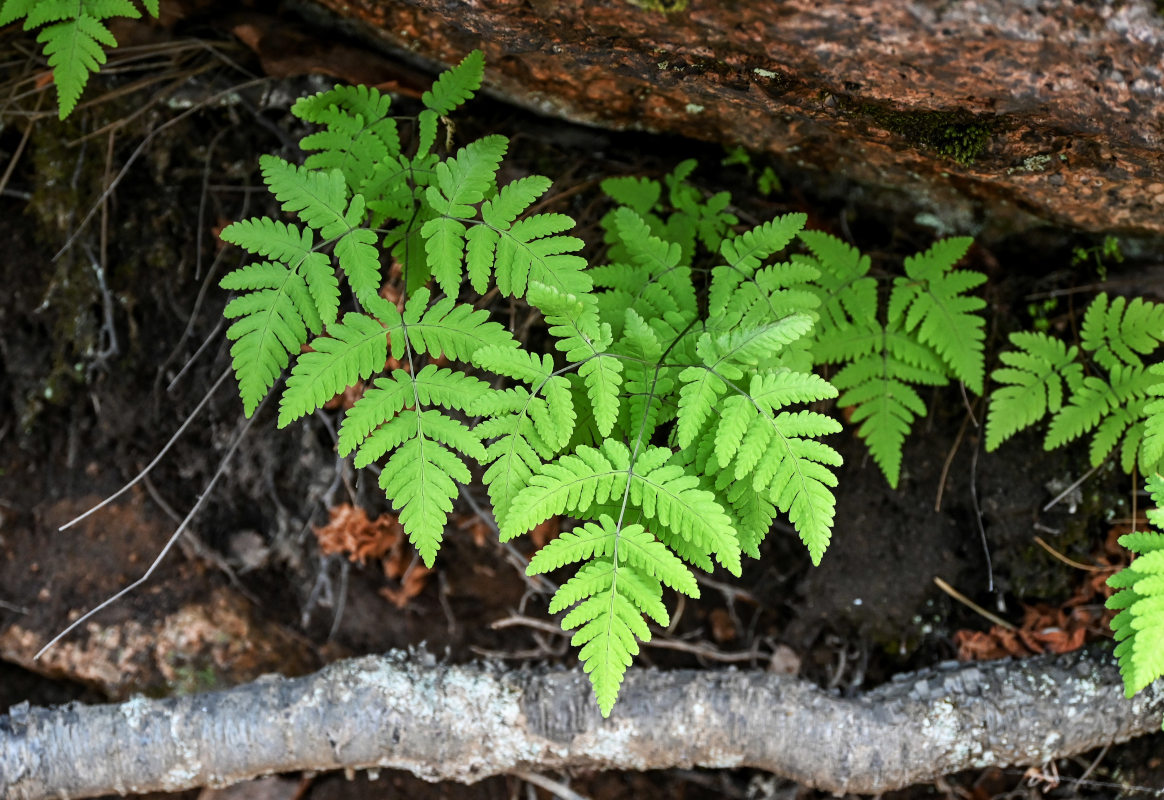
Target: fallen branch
pixel 466 723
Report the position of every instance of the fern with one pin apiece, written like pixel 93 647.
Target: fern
pixel 1045 378
pixel 670 414
pixel 927 334
pixel 74 36
pixel 1139 625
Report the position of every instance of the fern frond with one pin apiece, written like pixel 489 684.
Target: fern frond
pixel 931 300
pixel 635 545
pixel 1096 402
pixel 420 480
pixel 319 198
pixel 1152 448
pixel 1033 382
pixel 1139 625
pixel 619 584
pixel 638 194
pixel 352 351
pixel 456 85
pixel 274 318
pixel 1119 333
pixel 589 476
pixel 358 134
pixel 431 386
pixel 75 49
pixel 744 254
pixel 295 249
pixel 448 328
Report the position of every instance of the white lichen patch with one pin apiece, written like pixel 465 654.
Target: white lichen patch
pixel 694 108
pixel 135 710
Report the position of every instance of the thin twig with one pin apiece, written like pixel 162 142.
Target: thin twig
pixel 978 515
pixel 559 790
pixel 169 544
pixel 11 607
pixel 157 458
pixel 1073 486
pixel 1069 562
pixel 966 601
pixel 950 460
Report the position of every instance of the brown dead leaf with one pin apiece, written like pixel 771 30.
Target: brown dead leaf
pixel 412 584
pixel 350 532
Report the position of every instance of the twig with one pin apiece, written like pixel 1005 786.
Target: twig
pixel 1073 486
pixel 966 601
pixel 559 790
pixel 978 515
pixel 205 399
pixel 169 544
pixel 11 607
pixel 1069 562
pixel 949 460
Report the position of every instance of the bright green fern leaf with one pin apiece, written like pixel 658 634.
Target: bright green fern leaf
pixel 1139 625
pixel 351 352
pixel 1033 381
pixel 456 85
pixel 932 300
pixel 75 39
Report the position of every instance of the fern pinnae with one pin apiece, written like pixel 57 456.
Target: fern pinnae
pixel 1139 624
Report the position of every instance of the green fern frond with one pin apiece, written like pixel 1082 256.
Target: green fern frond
pixel 1033 381
pixel 574 482
pixel 319 198
pixel 1139 625
pixel 1152 447
pixel 75 38
pixel 358 134
pixel 454 86
pixel 295 249
pixel 744 254
pixel 274 318
pixel 931 299
pixel 611 600
pixel 1108 407
pixel 448 328
pixel 1119 333
pixel 351 352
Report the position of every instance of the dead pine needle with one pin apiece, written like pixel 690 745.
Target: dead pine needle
pixel 1069 562
pixel 966 601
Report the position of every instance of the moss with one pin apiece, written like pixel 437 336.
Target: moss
pixel 957 134
pixel 665 6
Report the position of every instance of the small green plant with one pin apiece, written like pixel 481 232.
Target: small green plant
pixel 1102 387
pixel 927 332
pixel 74 36
pixel 1099 256
pixel 1139 625
pixel 672 422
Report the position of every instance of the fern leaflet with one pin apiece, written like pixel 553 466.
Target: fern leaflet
pixel 1139 625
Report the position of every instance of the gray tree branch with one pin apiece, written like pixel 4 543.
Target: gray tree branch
pixel 466 723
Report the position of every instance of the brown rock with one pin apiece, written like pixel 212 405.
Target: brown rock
pixel 1053 109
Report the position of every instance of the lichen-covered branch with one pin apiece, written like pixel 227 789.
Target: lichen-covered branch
pixel 466 723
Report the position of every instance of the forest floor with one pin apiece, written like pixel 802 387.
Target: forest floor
pixel 107 349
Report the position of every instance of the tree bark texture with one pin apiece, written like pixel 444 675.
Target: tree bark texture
pixel 990 112
pixel 466 723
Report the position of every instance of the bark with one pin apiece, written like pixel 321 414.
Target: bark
pixel 983 111
pixel 466 723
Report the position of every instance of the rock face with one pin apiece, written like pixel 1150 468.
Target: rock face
pixel 993 111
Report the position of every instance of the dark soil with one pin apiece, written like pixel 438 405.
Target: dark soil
pixel 90 343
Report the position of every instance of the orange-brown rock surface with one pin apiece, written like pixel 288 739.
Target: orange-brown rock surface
pixel 1003 109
